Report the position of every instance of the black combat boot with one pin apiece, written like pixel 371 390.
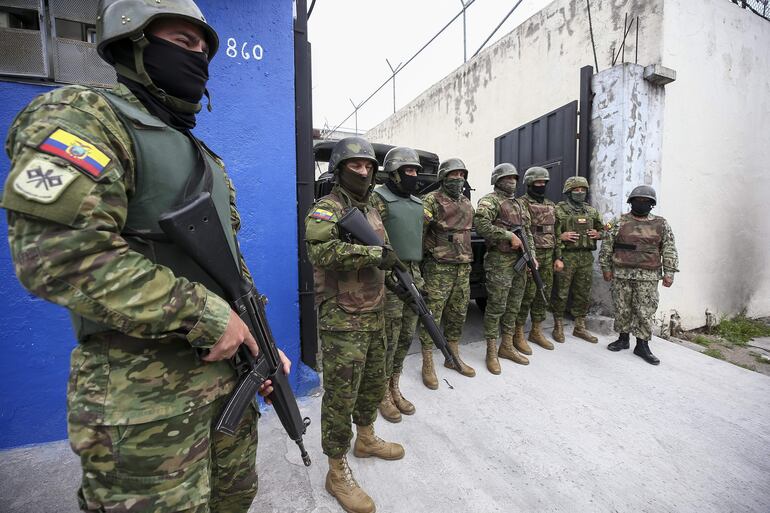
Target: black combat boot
pixel 620 343
pixel 642 350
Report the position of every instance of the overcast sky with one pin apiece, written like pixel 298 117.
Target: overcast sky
pixel 352 38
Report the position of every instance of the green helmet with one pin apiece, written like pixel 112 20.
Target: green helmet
pixel 399 157
pixel 504 169
pixel 573 182
pixel 351 148
pixel 643 191
pixel 536 173
pixel 127 19
pixel 450 165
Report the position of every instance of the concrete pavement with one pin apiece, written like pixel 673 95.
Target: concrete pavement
pixel 580 429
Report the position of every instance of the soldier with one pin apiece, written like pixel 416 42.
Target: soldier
pixel 350 289
pixel 401 212
pixel 638 249
pixel 496 214
pixel 577 229
pixel 90 176
pixel 542 213
pixel 447 266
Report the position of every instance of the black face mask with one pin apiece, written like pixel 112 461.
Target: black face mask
pixel 536 191
pixel 640 207
pixel 408 184
pixel 356 185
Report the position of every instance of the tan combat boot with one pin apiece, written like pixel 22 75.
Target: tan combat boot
pixel 464 369
pixel 388 410
pixel 493 364
pixel 518 340
pixel 368 444
pixel 403 405
pixel 341 485
pixel 536 336
pixel 558 329
pixel 508 350
pixel 580 331
pixel 429 378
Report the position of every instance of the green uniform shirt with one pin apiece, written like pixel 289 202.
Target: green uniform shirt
pixel 487 212
pixel 566 209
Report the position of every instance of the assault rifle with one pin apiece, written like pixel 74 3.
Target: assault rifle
pixel 356 228
pixel 528 260
pixel 196 229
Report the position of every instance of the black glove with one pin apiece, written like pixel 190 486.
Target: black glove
pixel 390 259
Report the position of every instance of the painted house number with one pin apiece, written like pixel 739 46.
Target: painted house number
pixel 247 50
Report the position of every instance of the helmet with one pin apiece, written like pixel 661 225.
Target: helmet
pixel 399 157
pixel 127 19
pixel 504 169
pixel 573 182
pixel 450 165
pixel 536 173
pixel 643 191
pixel 351 148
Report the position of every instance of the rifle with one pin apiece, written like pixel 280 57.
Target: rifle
pixel 355 227
pixel 196 229
pixel 526 259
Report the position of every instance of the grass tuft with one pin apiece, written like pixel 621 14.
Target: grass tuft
pixel 714 353
pixel 702 340
pixel 740 329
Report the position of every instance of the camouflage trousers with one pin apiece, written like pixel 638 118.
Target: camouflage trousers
pixel 532 303
pixel 505 288
pixel 354 385
pixel 179 464
pixel 400 324
pixel 635 304
pixel 576 278
pixel 449 291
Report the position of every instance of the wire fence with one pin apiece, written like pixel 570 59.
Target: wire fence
pixel 758 7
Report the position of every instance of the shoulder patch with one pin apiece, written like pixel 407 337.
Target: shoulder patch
pixel 77 151
pixel 427 214
pixel 321 214
pixel 43 181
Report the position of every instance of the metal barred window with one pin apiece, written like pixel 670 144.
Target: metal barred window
pixel 53 40
pixel 760 7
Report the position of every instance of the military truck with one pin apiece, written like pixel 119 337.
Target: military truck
pixel 427 181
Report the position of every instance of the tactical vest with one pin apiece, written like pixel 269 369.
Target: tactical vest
pixel 579 223
pixel 358 290
pixel 543 219
pixel 449 237
pixel 508 217
pixel 637 243
pixel 165 160
pixel 403 224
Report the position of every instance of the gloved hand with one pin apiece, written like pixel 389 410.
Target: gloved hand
pixel 390 260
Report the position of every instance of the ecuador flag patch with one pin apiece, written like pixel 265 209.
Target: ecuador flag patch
pixel 321 214
pixel 77 151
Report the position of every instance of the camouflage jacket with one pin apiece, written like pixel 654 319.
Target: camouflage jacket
pixel 66 244
pixel 541 239
pixel 438 229
pixel 566 210
pixel 487 213
pixel 668 253
pixel 327 251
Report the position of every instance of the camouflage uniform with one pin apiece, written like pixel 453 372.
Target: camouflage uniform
pixel 400 319
pixel 543 217
pixel 136 384
pixel 505 287
pixel 636 272
pixel 577 257
pixel 349 296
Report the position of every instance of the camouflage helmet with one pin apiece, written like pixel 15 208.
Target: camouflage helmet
pixel 504 169
pixel 450 165
pixel 399 157
pixel 573 182
pixel 536 173
pixel 643 191
pixel 127 19
pixel 351 148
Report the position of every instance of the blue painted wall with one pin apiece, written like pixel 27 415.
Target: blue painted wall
pixel 252 127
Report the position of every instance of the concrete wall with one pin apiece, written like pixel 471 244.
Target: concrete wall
pixel 531 71
pixel 252 127
pixel 716 158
